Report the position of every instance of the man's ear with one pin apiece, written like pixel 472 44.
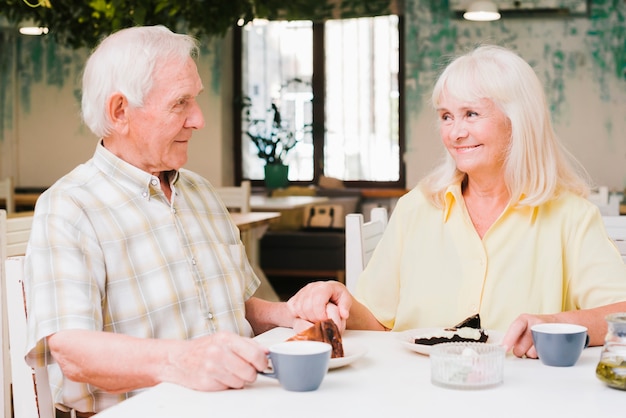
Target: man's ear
pixel 117 111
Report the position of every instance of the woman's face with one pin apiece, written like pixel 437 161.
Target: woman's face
pixel 477 135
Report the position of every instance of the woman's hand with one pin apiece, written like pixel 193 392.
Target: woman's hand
pixel 518 338
pixel 319 301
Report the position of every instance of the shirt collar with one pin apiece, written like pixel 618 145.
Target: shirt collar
pixel 454 194
pixel 127 175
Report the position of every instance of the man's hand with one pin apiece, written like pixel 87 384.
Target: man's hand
pixel 119 363
pixel 216 362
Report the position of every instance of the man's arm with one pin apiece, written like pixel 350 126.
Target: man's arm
pixel 119 363
pixel 264 315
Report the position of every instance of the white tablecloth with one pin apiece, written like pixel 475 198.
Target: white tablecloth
pixel 391 381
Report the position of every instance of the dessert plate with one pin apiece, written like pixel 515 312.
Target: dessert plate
pixel 407 338
pixel 351 351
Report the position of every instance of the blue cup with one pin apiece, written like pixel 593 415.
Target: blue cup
pixel 559 345
pixel 299 366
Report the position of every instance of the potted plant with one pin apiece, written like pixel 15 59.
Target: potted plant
pixel 273 138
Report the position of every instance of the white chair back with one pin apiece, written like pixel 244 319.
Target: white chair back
pixel 17 233
pixel 14 235
pixel 32 397
pixel 616 228
pixel 607 203
pixel 7 193
pixel 5 363
pixel 361 240
pixel 236 198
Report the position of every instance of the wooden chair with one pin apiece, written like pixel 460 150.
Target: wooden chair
pixel 32 397
pixel 361 240
pixel 236 198
pixel 7 193
pixel 616 228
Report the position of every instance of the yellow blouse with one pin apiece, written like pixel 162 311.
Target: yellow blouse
pixel 432 269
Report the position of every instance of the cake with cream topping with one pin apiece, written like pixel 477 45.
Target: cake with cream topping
pixel 468 330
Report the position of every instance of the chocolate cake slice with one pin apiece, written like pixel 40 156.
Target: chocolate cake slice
pixel 471 322
pixel 324 331
pixel 468 330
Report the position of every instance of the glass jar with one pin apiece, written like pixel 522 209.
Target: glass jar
pixel 612 366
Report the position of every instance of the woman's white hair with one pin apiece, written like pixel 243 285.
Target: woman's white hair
pixel 124 62
pixel 537 167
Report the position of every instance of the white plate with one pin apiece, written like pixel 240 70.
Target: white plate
pixel 407 338
pixel 351 352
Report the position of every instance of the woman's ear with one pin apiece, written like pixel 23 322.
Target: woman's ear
pixel 117 111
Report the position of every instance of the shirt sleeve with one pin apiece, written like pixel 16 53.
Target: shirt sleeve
pixel 64 276
pixel 596 272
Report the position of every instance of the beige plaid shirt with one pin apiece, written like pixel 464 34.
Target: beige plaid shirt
pixel 108 252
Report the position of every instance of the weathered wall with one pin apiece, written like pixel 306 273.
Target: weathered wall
pixel 581 61
pixel 41 133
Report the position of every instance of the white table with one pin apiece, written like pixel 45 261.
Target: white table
pixel 391 381
pixel 268 203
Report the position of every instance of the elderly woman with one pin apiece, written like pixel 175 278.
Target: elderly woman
pixel 501 228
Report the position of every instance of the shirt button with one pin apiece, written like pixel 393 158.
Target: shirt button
pixel 193 261
pixel 210 315
pixel 145 194
pixel 154 182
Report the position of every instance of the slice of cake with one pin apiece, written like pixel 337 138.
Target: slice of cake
pixel 468 330
pixel 324 331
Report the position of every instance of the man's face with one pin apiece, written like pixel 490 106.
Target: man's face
pixel 159 132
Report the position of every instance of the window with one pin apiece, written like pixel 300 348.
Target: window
pixel 337 85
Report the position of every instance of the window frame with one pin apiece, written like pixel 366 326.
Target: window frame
pixel 319 112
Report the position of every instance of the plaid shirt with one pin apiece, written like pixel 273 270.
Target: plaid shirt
pixel 108 252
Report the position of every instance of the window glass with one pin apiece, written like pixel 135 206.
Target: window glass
pixel 360 138
pixel 362 99
pixel 277 69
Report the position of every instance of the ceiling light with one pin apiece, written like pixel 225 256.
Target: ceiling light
pixel 29 27
pixel 482 11
pixel 33 30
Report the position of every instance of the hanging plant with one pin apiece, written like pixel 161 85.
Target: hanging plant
pixel 84 23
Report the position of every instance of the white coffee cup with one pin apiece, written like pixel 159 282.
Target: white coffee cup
pixel 299 366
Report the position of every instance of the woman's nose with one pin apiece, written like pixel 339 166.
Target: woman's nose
pixel 458 131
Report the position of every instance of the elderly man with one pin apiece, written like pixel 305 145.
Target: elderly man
pixel 135 273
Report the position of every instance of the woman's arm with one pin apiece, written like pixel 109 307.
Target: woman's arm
pixel 519 338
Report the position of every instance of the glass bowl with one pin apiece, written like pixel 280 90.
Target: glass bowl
pixel 467 365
